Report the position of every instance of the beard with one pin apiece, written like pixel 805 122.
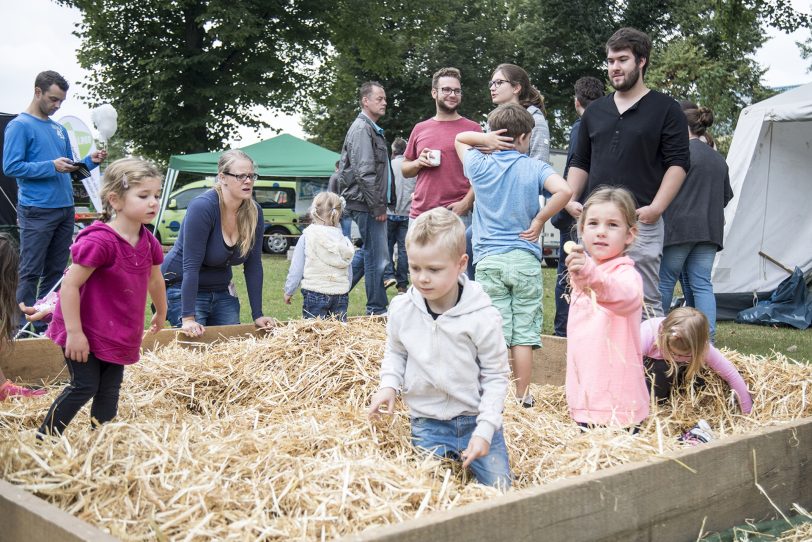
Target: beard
pixel 445 109
pixel 628 81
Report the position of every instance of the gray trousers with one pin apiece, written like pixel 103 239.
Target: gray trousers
pixel 647 252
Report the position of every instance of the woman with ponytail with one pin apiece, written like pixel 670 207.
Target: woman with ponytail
pixel 222 228
pixel 694 222
pixel 321 262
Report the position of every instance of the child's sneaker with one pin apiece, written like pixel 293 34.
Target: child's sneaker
pixel 528 401
pixel 699 434
pixel 9 389
pixel 388 283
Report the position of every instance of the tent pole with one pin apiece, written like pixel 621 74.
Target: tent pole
pixel 169 185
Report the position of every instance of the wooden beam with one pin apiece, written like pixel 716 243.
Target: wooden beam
pixel 711 485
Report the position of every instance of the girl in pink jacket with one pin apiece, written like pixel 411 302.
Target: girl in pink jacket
pixel 605 381
pixel 677 346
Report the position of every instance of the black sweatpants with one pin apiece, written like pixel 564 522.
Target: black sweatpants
pixel 657 377
pixel 97 380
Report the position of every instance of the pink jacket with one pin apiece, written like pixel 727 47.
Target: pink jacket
pixel 715 360
pixel 606 382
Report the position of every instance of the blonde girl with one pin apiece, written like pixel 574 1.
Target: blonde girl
pixel 9 317
pixel 99 318
pixel 605 381
pixel 222 228
pixel 676 347
pixel 321 262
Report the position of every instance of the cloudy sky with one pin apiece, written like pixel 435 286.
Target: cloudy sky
pixel 37 36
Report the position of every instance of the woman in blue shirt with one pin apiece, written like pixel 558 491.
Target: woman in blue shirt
pixel 222 228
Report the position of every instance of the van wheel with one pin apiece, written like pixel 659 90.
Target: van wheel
pixel 275 242
pixel 551 262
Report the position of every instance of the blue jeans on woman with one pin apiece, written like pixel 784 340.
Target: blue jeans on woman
pixel 218 308
pixel 694 261
pixel 449 438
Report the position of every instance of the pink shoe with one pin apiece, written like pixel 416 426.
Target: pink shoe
pixel 9 389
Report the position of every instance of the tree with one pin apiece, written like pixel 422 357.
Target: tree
pixel 806 51
pixel 184 75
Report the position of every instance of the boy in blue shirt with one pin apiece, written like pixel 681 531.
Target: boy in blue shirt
pixel 507 184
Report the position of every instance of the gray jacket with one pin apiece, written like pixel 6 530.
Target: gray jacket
pixel 404 188
pixel 364 169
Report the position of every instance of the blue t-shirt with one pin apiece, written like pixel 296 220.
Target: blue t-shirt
pixel 507 186
pixel 31 145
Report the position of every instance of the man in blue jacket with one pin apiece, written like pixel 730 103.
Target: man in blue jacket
pixel 37 152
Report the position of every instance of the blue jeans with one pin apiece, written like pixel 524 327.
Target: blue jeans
pixel 695 261
pixel 370 260
pixel 346 226
pixel 396 234
pixel 562 308
pixel 318 305
pixel 218 308
pixel 95 379
pixel 450 438
pixel 45 238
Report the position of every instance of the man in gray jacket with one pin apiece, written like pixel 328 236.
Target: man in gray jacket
pixel 367 184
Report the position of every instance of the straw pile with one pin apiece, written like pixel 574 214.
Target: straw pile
pixel 267 438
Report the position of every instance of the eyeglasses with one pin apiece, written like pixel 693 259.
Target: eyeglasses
pixel 448 90
pixel 496 83
pixel 243 177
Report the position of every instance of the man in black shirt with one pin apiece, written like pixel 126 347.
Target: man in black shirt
pixel 636 138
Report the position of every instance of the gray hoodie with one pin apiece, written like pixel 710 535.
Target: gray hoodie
pixel 455 365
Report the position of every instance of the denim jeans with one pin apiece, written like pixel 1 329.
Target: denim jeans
pixel 370 260
pixel 45 239
pixel 318 305
pixel 95 379
pixel 450 438
pixel 694 261
pixel 647 252
pixel 562 307
pixel 218 308
pixel 396 234
pixel 346 226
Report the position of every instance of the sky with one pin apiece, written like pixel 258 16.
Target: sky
pixel 39 37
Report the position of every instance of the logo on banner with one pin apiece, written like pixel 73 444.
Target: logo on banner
pixel 81 144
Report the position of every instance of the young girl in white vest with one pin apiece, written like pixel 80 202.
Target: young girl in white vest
pixel 321 262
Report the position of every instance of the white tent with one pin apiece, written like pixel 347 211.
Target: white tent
pixel 770 161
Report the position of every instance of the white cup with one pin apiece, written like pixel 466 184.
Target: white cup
pixel 434 157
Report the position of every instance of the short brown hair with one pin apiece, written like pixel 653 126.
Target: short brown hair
pixel 445 72
pixel 630 38
pixel 512 117
pixel 45 79
pixel 438 226
pixel 588 89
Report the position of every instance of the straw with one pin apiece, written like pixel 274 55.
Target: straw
pixel 267 438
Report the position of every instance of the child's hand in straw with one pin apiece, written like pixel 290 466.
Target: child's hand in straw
pixel 287 299
pixel 77 347
pixel 264 322
pixel 495 141
pixel 157 322
pixel 192 328
pixel 477 447
pixel 576 259
pixel 383 403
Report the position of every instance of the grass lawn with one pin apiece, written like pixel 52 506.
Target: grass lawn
pixel 746 339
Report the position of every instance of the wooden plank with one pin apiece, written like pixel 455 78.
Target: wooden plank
pixel 25 517
pixel 652 501
pixel 33 360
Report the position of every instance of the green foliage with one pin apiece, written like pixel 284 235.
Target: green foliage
pixel 184 75
pixel 806 51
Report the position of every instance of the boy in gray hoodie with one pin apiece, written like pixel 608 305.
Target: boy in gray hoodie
pixel 446 354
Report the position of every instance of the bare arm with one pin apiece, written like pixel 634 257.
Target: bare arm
pixel 672 182
pixel 576 177
pixel 410 168
pixel 560 190
pixel 157 292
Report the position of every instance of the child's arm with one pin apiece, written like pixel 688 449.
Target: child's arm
pixel 76 345
pixel 296 271
pixel 725 368
pixel 620 291
pixel 561 193
pixel 157 292
pixel 393 369
pixel 485 142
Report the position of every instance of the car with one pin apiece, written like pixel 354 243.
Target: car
pixel 278 200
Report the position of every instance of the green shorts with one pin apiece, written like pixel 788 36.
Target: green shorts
pixel 513 282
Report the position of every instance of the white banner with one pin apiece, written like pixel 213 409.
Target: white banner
pixel 81 142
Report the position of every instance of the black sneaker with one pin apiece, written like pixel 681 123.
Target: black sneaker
pixel 528 402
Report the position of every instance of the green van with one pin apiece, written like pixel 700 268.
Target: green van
pixel 278 202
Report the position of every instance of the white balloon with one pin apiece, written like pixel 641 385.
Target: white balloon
pixel 105 118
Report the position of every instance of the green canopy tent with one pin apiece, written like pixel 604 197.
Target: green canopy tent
pixel 280 156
